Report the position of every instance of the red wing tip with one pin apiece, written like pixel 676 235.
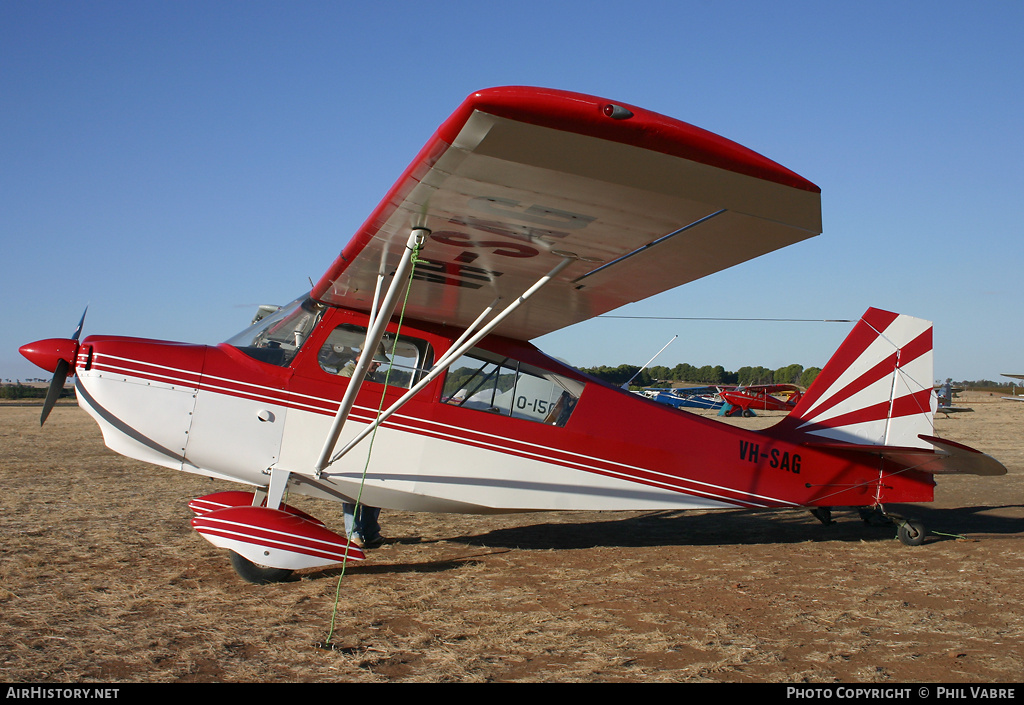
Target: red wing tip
pixel 589 114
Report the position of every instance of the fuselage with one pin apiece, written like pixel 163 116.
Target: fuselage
pixel 518 432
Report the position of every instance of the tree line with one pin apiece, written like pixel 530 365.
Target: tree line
pixel 706 374
pixel 21 391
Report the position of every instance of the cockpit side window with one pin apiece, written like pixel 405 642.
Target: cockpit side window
pixel 399 362
pixel 488 382
pixel 278 337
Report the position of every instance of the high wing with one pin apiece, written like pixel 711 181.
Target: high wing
pixel 519 178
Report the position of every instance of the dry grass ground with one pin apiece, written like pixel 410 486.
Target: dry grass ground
pixel 102 579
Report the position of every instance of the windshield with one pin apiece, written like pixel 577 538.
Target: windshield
pixel 279 336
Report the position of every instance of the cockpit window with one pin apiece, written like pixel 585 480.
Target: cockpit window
pixel 488 382
pixel 399 362
pixel 277 337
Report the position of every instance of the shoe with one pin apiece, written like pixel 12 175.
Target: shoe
pixel 376 542
pixel 356 539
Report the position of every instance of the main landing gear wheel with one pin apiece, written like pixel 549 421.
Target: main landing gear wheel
pixel 911 533
pixel 258 574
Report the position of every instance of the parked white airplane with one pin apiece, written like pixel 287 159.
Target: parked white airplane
pixel 1019 397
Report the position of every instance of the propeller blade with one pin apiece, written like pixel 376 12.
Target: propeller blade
pixel 60 375
pixel 78 331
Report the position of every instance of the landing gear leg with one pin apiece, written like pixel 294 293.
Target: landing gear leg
pixel 873 516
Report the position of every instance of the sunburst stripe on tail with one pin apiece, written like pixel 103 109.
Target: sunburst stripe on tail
pixel 877 388
pixel 862 335
pixel 921 345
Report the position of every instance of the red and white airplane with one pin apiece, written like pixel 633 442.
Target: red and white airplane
pixel 762 397
pixel 529 210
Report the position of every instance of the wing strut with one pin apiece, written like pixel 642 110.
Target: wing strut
pixel 455 352
pixel 374 335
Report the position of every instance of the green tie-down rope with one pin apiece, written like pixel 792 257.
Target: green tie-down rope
pixel 326 644
pixel 955 536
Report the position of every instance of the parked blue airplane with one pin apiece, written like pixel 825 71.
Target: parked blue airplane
pixel 688 397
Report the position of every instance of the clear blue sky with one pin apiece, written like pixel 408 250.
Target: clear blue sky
pixel 175 164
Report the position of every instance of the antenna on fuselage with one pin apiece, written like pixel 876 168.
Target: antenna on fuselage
pixel 625 385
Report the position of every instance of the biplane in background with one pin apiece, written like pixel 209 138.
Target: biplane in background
pixel 528 210
pixel 745 401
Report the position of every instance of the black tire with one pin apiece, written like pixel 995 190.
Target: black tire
pixel 911 533
pixel 258 574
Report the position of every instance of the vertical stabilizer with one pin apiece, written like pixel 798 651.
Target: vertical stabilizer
pixel 877 388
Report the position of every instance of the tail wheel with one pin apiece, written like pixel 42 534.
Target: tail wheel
pixel 911 533
pixel 258 574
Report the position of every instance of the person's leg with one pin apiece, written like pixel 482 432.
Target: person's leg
pixel 369 523
pixel 350 510
pixel 361 524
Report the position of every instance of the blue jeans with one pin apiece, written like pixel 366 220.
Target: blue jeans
pixel 363 521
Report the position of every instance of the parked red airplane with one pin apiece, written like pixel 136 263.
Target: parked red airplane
pixel 763 397
pixel 527 211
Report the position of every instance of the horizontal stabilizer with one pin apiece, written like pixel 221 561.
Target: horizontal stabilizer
pixel 963 459
pixel 948 457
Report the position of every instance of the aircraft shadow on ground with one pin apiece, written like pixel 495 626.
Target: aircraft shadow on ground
pixel 370 568
pixel 723 528
pixel 747 527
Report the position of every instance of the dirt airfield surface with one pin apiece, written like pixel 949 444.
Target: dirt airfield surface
pixel 102 579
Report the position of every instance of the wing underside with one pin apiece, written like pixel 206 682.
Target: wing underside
pixel 518 179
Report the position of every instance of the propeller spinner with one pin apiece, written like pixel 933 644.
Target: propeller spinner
pixel 55 355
